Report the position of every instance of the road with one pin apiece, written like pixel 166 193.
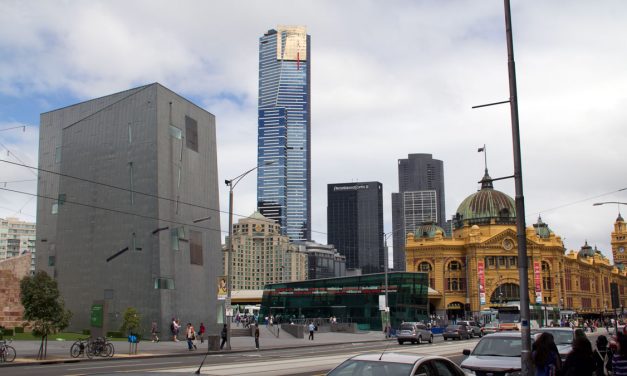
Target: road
pixel 298 361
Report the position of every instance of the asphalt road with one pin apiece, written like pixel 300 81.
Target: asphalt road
pixel 297 361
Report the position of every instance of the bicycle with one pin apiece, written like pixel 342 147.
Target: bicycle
pixel 78 347
pixel 100 347
pixel 7 353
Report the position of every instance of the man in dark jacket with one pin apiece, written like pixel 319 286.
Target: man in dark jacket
pixel 223 334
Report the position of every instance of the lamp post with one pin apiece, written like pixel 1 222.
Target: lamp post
pixel 386 261
pixel 231 183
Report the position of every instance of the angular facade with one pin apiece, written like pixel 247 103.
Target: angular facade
pixel 132 171
pixel 262 255
pixel 420 199
pixel 477 268
pixel 355 224
pixel 284 130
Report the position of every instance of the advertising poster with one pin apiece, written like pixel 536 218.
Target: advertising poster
pixel 222 288
pixel 481 273
pixel 537 276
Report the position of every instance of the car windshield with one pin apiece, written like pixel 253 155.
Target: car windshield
pixel 372 368
pixel 498 346
pixel 407 327
pixel 562 337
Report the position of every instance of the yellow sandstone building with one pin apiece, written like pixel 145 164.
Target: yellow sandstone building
pixel 477 267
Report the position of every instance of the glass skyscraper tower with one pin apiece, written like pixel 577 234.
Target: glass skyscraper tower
pixel 284 130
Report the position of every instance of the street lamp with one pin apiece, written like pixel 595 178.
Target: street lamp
pixel 231 183
pixel 385 271
pixel 609 202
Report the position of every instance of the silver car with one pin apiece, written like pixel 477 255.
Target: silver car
pixel 414 333
pixel 388 363
pixel 473 328
pixel 563 338
pixel 497 353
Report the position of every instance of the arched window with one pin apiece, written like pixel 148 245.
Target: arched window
pixel 547 280
pixel 455 278
pixel 505 293
pixel 426 267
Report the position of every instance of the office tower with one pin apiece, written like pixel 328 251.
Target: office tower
pixel 324 261
pixel 284 130
pixel 420 199
pixel 17 238
pixel 355 224
pixel 131 173
pixel 262 255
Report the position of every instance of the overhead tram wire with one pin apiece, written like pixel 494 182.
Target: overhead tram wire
pixel 576 202
pixel 9 152
pixel 113 210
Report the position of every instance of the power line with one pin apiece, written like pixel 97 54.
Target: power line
pixel 12 210
pixel 113 210
pixel 577 202
pixel 9 152
pixel 16 181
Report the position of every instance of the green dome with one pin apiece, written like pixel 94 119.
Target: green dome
pixel 485 205
pixel 427 230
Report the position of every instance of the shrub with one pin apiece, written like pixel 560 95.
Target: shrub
pixel 86 332
pixel 115 334
pixel 8 332
pixel 18 329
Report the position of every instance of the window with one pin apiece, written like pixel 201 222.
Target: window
pixel 130 177
pixel 164 283
pixel 174 239
pixel 55 208
pixel 57 154
pixel 191 133
pixel 176 132
pixel 51 260
pixel 61 198
pixel 195 248
pixel 454 265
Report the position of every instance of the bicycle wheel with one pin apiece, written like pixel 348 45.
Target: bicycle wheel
pixel 75 350
pixel 9 354
pixel 109 349
pixel 89 350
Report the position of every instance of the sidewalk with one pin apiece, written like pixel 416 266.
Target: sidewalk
pixel 59 351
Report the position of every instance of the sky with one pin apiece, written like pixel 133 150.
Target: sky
pixel 388 78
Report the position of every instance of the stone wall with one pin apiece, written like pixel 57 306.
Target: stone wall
pixel 12 271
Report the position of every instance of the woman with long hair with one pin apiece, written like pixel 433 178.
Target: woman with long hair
pixel 579 361
pixel 545 356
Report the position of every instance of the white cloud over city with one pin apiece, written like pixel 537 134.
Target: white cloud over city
pixel 389 78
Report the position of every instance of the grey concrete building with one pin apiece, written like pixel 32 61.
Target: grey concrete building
pixel 131 170
pixel 420 199
pixel 324 261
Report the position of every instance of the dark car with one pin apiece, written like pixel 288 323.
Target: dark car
pixel 456 331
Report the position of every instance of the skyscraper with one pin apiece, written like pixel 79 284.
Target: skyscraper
pixel 355 224
pixel 420 199
pixel 284 130
pixel 132 171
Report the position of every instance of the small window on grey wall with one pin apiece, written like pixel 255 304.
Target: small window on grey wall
pixel 195 247
pixel 191 133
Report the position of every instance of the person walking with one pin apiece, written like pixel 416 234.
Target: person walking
pixel 201 332
pixel 602 356
pixel 223 335
pixel 190 335
pixel 174 329
pixel 257 336
pixel 579 361
pixel 311 328
pixel 619 360
pixel 153 332
pixel 545 356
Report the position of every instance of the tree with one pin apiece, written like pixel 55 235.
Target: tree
pixel 43 307
pixel 131 320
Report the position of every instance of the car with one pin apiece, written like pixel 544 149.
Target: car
pixel 414 333
pixel 456 331
pixel 563 338
pixel 390 363
pixel 497 354
pixel 489 328
pixel 473 328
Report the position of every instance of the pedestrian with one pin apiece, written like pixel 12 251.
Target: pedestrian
pixel 257 336
pixel 177 328
pixel 579 361
pixel 311 328
pixel 545 356
pixel 190 335
pixel 223 335
pixel 602 356
pixel 201 332
pixel 619 360
pixel 174 330
pixel 153 331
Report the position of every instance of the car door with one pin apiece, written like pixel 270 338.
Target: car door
pixel 444 368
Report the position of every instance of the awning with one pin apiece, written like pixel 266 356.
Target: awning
pixel 433 292
pixel 455 305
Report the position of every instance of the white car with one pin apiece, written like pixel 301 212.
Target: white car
pixel 497 353
pixel 563 338
pixel 388 363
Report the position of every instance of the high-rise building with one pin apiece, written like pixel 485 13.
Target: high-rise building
pixel 17 238
pixel 420 199
pixel 284 130
pixel 355 224
pixel 262 255
pixel 131 172
pixel 324 261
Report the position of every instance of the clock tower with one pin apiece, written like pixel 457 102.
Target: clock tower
pixel 619 241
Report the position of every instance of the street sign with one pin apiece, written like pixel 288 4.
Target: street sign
pixel 229 312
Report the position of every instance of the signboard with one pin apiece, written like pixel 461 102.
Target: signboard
pixel 229 312
pixel 382 303
pixel 97 313
pixel 481 273
pixel 222 288
pixel 537 276
pixel 614 295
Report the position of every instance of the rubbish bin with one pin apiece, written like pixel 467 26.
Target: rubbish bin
pixel 213 341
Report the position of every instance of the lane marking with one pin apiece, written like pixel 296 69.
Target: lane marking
pixel 119 366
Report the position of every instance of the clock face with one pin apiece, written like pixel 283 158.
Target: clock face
pixel 508 244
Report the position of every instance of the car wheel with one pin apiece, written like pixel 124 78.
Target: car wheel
pixel 420 340
pixel 431 339
pixel 400 342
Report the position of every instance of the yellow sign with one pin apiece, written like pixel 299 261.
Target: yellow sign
pixel 222 289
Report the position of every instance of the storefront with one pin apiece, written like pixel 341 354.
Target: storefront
pixel 356 299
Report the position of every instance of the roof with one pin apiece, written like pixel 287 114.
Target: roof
pixel 389 357
pixel 427 230
pixel 487 203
